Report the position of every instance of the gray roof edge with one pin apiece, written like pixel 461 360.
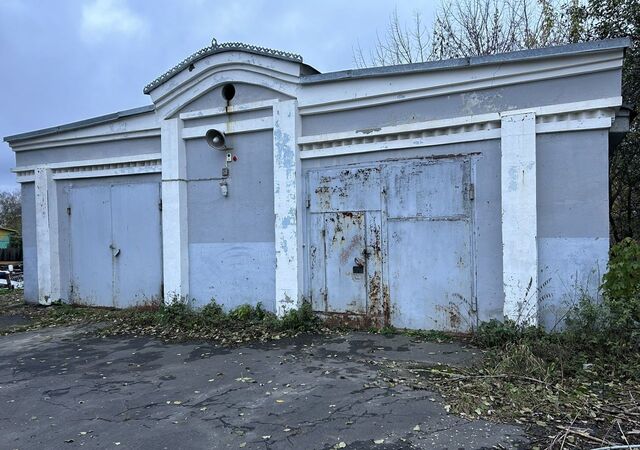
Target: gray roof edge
pixel 519 55
pixel 592 46
pixel 80 124
pixel 215 48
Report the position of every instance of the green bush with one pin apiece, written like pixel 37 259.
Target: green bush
pixel 248 313
pixel 299 319
pixel 242 313
pixel 212 312
pixel 588 322
pixel 178 313
pixel 495 333
pixel 621 283
pixel 388 330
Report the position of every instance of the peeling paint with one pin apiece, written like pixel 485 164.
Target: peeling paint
pixel 285 205
pixel 519 217
pixel 427 210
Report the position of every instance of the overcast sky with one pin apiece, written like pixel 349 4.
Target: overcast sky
pixel 67 60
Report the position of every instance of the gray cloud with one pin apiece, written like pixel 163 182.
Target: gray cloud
pixel 68 60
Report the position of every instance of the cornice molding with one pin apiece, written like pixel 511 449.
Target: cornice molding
pixel 106 167
pixel 593 114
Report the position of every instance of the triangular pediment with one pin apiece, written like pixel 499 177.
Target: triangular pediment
pixel 231 62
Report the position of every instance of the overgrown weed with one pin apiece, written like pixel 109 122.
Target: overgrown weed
pixel 176 320
pixel 586 375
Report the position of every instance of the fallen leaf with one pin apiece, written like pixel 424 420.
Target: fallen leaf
pixel 245 380
pixel 378 441
pixel 416 428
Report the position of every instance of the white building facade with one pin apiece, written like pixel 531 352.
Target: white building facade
pixel 433 195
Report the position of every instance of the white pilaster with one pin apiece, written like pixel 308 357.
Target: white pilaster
pixel 47 244
pixel 286 169
pixel 175 239
pixel 519 218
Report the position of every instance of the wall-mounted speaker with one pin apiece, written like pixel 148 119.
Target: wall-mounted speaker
pixel 216 139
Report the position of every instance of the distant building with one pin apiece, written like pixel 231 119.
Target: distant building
pixel 431 195
pixel 5 237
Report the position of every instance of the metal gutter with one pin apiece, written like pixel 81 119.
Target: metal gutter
pixel 80 124
pixel 474 61
pixel 314 78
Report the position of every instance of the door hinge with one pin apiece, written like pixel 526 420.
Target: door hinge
pixel 68 210
pixel 160 204
pixel 307 202
pixel 472 191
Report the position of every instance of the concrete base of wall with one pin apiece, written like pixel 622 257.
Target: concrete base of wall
pixel 569 269
pixel 233 274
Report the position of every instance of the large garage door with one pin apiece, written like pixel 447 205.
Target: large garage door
pixel 116 248
pixel 393 242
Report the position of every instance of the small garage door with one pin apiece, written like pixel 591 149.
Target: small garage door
pixel 393 242
pixel 115 243
pixel 344 248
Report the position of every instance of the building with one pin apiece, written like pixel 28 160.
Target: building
pixel 5 237
pixel 431 195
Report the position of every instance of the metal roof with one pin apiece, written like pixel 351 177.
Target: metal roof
pixel 80 124
pixel 523 55
pixel 220 48
pixel 447 64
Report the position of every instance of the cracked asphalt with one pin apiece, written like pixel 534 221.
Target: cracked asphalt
pixel 63 388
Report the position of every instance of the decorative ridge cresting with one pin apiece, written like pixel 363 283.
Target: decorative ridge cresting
pixel 220 48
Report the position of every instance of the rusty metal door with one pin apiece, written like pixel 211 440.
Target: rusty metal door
pixel 429 244
pixel 393 242
pixel 344 243
pixel 346 264
pixel 343 254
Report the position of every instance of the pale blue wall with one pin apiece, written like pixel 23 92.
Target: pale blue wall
pixel 29 253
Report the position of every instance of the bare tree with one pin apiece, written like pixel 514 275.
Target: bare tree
pixel 399 44
pixel 11 210
pixel 463 28
pixel 484 27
